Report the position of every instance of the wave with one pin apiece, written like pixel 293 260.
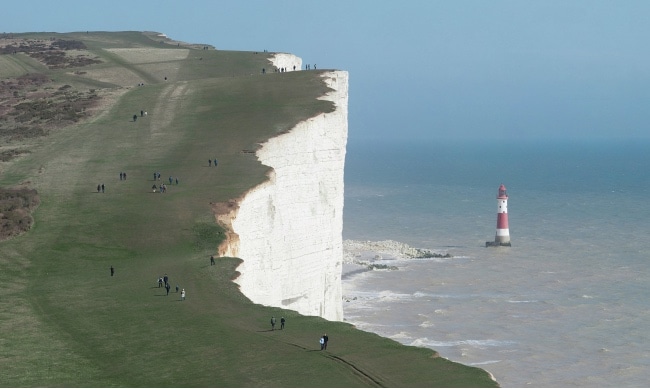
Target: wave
pixel 484 362
pixel 359 297
pixel 401 335
pixel 387 295
pixel 427 324
pixel 433 295
pixel 522 301
pixel 425 342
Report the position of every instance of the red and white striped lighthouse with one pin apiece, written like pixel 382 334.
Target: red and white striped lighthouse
pixel 502 237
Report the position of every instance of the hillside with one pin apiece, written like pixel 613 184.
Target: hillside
pixel 72 118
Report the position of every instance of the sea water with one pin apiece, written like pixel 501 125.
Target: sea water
pixel 567 305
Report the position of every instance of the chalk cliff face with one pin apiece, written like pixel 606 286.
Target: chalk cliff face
pixel 287 61
pixel 289 228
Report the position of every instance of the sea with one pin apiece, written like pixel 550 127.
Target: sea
pixel 567 305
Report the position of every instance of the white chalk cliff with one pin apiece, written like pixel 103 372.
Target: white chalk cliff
pixel 287 61
pixel 288 230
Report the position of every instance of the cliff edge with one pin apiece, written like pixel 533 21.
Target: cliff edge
pixel 288 230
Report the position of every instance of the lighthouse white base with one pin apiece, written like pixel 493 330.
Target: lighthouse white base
pixel 502 238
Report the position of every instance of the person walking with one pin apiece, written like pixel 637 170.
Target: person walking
pixel 103 187
pixel 99 187
pixel 211 260
pixel 167 287
pixel 176 288
pixel 322 343
pixel 210 162
pixel 282 323
pixel 183 295
pixel 272 323
pixel 112 270
pixel 325 339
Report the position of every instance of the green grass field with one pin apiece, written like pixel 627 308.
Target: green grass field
pixel 64 321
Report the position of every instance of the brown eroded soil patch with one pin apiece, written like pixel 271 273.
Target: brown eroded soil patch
pixel 32 105
pixel 224 213
pixel 54 53
pixel 16 206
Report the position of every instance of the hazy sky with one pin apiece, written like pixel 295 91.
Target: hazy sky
pixel 422 69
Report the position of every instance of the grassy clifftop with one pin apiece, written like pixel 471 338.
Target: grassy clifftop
pixel 67 126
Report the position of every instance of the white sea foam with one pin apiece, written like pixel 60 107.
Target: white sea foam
pixel 484 362
pixel 384 295
pixel 435 295
pixel 425 342
pixel 401 335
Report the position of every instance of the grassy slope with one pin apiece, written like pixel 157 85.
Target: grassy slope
pixel 66 322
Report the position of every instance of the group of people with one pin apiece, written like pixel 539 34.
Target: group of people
pixel 323 339
pixel 142 112
pixel 281 70
pixel 162 188
pixel 156 176
pixel 282 321
pixel 210 162
pixel 284 69
pixel 102 187
pixel 164 280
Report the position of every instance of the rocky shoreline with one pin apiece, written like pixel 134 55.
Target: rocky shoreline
pixel 371 255
pixel 354 248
